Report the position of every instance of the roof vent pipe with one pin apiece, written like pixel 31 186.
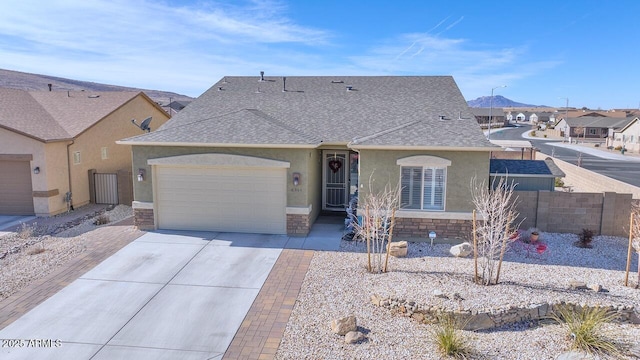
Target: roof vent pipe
pixel 261 75
pixel 349 88
pixel 284 84
pixel 219 88
pixel 50 85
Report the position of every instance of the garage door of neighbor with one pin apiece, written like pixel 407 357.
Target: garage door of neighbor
pixel 16 193
pixel 219 198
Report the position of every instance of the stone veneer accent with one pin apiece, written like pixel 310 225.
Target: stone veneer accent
pixel 444 228
pixel 298 224
pixel 494 318
pixel 143 219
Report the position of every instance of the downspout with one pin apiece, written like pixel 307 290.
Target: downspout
pixel 68 198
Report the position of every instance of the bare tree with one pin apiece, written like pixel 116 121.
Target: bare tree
pixel 377 224
pixel 634 239
pixel 496 207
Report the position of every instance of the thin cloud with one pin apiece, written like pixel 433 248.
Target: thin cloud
pixel 454 23
pixel 474 68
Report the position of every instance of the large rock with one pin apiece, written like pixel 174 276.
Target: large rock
pixel 353 337
pixel 343 325
pixel 398 249
pixel 577 285
pixel 461 250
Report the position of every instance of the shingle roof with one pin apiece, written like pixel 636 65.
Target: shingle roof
pixel 598 122
pixel 56 115
pixel 520 167
pixel 420 111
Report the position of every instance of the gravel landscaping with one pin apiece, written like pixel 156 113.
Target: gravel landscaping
pixel 44 244
pixel 338 285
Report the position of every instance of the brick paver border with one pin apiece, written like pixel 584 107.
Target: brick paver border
pixel 102 243
pixel 263 327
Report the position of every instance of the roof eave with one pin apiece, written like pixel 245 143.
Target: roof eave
pixel 439 148
pixel 233 145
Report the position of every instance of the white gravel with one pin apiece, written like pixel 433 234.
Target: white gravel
pixel 23 262
pixel 338 285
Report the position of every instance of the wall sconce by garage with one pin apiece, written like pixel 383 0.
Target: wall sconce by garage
pixel 36 170
pixel 296 179
pixel 141 174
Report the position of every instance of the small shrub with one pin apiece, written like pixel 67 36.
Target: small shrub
pixel 585 237
pixel 449 339
pixel 545 135
pixel 617 148
pixel 559 182
pixel 102 220
pixel 533 133
pixel 584 327
pixel 26 231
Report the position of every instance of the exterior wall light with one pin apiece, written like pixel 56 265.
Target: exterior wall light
pixel 141 174
pixel 432 236
pixel 296 179
pixel 36 170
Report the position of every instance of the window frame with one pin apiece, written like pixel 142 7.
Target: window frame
pixel 77 158
pixel 425 162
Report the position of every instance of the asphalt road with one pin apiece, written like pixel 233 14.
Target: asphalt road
pixel 625 171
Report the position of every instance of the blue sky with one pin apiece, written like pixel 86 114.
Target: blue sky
pixel 542 50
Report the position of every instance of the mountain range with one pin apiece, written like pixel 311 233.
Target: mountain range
pixel 34 82
pixel 498 101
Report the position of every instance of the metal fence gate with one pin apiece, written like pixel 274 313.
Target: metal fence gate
pixel 106 188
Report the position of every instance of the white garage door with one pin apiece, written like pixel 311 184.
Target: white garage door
pixel 217 198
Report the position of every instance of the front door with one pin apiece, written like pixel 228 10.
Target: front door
pixel 335 180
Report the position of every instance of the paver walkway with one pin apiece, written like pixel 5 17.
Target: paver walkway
pixel 261 331
pixel 102 243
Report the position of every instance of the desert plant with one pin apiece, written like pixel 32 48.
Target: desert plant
pixel 584 326
pixel 496 208
pixel 449 340
pixel 102 220
pixel 26 231
pixel 559 182
pixel 584 238
pixel 533 133
pixel 377 224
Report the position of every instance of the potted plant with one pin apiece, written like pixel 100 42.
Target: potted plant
pixel 534 234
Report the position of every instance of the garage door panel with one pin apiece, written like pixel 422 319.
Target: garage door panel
pixel 16 192
pixel 221 199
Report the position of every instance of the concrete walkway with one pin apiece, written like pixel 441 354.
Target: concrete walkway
pixel 176 295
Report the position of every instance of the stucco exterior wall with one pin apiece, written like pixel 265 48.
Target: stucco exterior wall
pixel 51 159
pixel 464 166
pixel 299 159
pixel 115 126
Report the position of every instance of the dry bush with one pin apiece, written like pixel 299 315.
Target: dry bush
pixel 26 231
pixel 496 209
pixel 102 220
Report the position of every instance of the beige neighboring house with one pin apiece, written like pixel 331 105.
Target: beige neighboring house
pixel 627 137
pixel 52 143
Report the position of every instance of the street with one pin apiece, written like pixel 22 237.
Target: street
pixel 625 171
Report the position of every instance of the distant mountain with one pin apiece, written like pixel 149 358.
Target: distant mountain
pixel 31 82
pixel 498 101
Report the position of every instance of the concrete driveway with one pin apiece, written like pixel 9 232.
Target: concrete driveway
pixel 167 295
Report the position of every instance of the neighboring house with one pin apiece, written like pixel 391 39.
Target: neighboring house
pixel 527 175
pixel 496 114
pixel 270 155
pixel 513 149
pixel 590 127
pixel 533 118
pixel 50 141
pixel 627 136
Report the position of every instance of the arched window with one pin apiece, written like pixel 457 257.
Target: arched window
pixel 423 181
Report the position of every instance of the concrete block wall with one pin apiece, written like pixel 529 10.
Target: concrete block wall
pixel 143 219
pixel 604 213
pixel 418 229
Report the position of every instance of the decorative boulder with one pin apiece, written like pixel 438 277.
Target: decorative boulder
pixel 398 249
pixel 461 250
pixel 353 337
pixel 344 325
